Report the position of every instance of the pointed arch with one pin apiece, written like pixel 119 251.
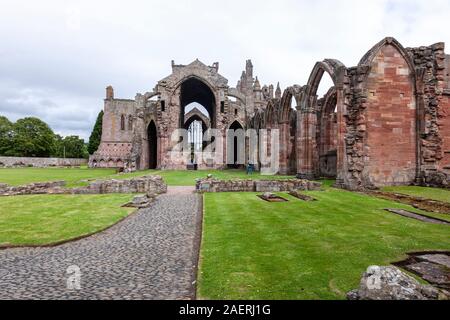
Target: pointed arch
pixel 130 122
pixel 122 122
pixel 271 114
pixel 152 140
pixel 390 131
pixel 289 93
pixel 368 58
pixel 337 72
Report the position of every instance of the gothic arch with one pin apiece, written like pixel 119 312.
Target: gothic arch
pixel 149 95
pixel 236 122
pixel 386 163
pixel 193 76
pixel 337 72
pixel 196 114
pixel 193 88
pixel 258 119
pixel 307 151
pixel 368 58
pixel 152 145
pixel 285 104
pixel 271 114
pixel 232 92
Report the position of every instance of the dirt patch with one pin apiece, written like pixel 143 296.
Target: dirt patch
pixel 417 216
pixel 416 202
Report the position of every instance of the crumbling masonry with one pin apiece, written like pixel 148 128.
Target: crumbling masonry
pixel 384 122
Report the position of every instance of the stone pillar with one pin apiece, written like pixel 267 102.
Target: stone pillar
pixel 306 133
pixel 341 163
pixel 284 147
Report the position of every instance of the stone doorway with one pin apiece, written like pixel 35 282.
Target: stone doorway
pixel 152 146
pixel 235 146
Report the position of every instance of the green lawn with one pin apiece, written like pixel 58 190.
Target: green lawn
pixel 252 249
pixel 187 178
pixel 44 219
pixel 424 192
pixel 75 176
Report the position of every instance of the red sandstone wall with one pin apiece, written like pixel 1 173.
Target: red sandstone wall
pixel 444 128
pixel 116 143
pixel 390 145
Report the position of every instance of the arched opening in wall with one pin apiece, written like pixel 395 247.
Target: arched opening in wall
pixel 293 103
pixel 195 90
pixel 325 84
pixel 232 99
pixel 319 156
pixel 292 142
pixel 327 134
pixel 196 121
pixel 235 146
pixel 152 146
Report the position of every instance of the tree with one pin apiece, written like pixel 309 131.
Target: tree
pixel 69 147
pixel 32 138
pixel 6 134
pixel 73 147
pixel 58 147
pixel 96 135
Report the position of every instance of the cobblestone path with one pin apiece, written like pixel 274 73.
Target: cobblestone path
pixel 150 255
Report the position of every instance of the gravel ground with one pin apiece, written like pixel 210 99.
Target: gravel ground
pixel 150 255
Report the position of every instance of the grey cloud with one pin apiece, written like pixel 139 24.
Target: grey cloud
pixel 56 58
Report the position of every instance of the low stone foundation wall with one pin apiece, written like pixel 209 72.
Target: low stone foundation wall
pixel 437 179
pixel 12 162
pixel 146 184
pixel 215 185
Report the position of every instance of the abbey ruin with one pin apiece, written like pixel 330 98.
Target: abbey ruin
pixel 385 121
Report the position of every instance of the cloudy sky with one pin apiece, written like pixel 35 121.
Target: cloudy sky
pixel 56 57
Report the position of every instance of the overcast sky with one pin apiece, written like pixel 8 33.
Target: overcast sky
pixel 57 57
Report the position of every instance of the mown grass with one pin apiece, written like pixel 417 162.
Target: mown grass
pixel 424 192
pixel 78 176
pixel 73 176
pixel 252 249
pixel 45 219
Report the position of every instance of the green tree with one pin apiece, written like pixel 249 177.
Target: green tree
pixel 57 150
pixel 96 135
pixel 32 138
pixel 73 147
pixel 6 134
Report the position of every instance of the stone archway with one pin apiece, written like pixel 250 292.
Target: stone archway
pixel 309 109
pixel 152 145
pixel 235 145
pixel 195 90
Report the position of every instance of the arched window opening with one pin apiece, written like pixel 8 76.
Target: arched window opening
pixel 152 139
pixel 130 123
pixel 325 84
pixel 122 122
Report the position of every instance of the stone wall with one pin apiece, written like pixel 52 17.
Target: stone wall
pixel 40 162
pixel 390 114
pixel 215 185
pixel 145 184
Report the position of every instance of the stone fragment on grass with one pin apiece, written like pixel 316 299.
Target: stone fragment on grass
pixel 390 283
pixel 141 201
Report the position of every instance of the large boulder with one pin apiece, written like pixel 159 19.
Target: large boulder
pixel 390 283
